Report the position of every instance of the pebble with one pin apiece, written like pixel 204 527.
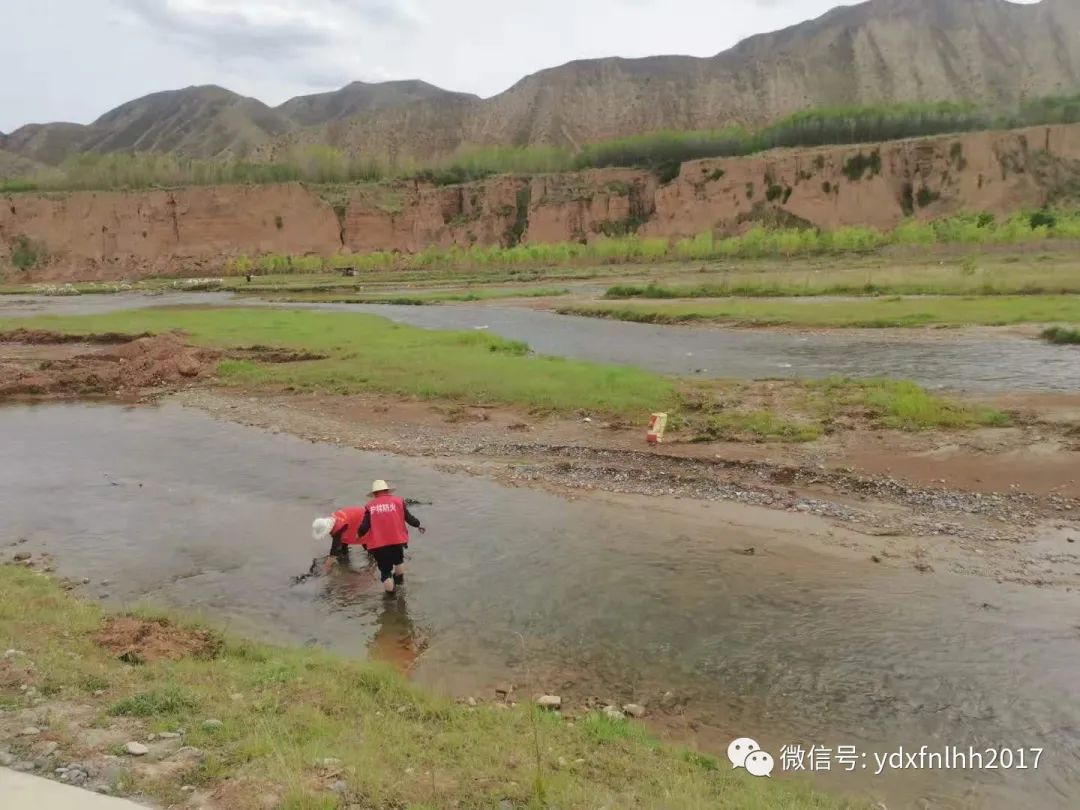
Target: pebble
pixel 471 701
pixel 614 712
pixel 49 748
pixel 634 710
pixel 104 790
pixel 22 556
pixel 168 735
pixel 30 731
pixel 6 759
pixel 136 749
pixel 339 787
pixel 13 654
pixel 212 725
pixel 328 762
pixel 86 580
pixel 187 789
pixel 549 702
pixel 23 766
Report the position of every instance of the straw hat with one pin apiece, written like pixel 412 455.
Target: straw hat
pixel 378 485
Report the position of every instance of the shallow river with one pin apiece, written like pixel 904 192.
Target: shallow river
pixel 791 645
pixel 945 360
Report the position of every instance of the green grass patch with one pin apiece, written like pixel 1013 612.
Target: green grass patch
pixel 415 299
pixel 973 276
pixel 399 746
pixel 866 312
pixel 1061 335
pixel 903 404
pixel 169 700
pixel 738 425
pixel 369 353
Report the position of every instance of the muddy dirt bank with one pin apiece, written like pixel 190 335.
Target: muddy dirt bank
pixel 82 368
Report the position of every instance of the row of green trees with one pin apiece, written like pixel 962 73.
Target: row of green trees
pixel 759 242
pixel 661 152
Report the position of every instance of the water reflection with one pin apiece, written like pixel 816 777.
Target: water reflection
pixel 355 587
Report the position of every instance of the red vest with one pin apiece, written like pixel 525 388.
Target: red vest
pixel 350 518
pixel 387 523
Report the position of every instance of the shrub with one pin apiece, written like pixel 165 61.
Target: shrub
pixel 26 254
pixel 1061 335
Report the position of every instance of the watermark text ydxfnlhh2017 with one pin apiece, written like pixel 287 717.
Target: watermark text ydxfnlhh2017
pixel 820 758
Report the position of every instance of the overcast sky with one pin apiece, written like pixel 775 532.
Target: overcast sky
pixel 73 60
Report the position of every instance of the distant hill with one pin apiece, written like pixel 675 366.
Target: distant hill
pixel 200 122
pixel 360 97
pixel 991 52
pixel 883 51
pixel 206 121
pixel 45 143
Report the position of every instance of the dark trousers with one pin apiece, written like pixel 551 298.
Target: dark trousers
pixel 339 549
pixel 386 558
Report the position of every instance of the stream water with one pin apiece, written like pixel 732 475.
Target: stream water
pixel 791 645
pixel 954 361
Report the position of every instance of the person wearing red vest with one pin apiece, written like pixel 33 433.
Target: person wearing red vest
pixel 384 533
pixel 344 533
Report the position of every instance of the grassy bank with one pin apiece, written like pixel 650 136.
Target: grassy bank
pixel 362 353
pixel 409 298
pixel 802 411
pixel 970 275
pixel 868 312
pixel 283 712
pixel 369 353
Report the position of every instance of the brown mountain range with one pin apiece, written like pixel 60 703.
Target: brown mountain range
pixel 883 51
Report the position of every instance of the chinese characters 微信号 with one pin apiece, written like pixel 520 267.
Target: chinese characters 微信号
pixel 819 758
